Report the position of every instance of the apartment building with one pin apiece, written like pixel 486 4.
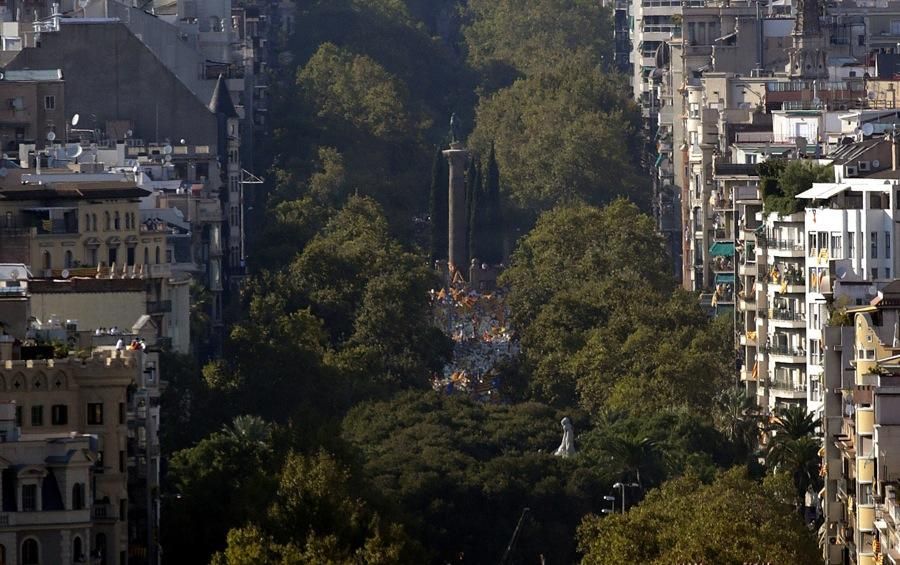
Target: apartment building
pixel 47 511
pixel 862 435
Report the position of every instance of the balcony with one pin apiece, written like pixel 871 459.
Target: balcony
pixel 159 307
pixel 103 512
pixel 57 227
pixel 786 387
pixel 44 518
pixel 785 248
pixel 787 354
pixel 787 319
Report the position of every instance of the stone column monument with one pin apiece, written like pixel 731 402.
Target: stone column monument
pixel 457 222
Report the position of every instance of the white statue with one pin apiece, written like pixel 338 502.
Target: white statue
pixel 567 447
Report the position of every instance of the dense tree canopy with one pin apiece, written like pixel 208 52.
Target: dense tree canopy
pixel 781 181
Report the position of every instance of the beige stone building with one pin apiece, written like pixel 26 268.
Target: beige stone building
pixel 46 514
pixel 90 397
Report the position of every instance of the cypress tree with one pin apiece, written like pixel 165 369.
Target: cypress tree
pixel 471 185
pixel 492 246
pixel 438 207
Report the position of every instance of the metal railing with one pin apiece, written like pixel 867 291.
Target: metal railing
pixel 787 315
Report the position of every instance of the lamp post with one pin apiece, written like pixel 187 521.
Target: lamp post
pixel 612 505
pixel 621 487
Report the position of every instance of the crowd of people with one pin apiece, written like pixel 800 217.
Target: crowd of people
pixel 478 324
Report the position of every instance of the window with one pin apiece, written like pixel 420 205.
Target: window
pixel 78 496
pixel 123 509
pixel 30 553
pixel 836 246
pixel 37 415
pixel 146 255
pixel 121 412
pixel 865 494
pixel 874 241
pixel 69 260
pixel 18 415
pixel 100 548
pixel 45 259
pixel 94 222
pixel 107 220
pixel 77 550
pixel 59 414
pixel 750 159
pixel 95 414
pixel 29 498
pixel 129 256
pixel 49 102
pixel 113 255
pixel 117 222
pixel 887 272
pixel 127 221
pixel 121 461
pixel 887 245
pixel 87 222
pixel 157 255
pixel 850 253
pixel 92 256
pixel 874 273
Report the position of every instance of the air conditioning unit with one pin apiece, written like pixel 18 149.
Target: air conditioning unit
pixel 863 166
pixel 850 171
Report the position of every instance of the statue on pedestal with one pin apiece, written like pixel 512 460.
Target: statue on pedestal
pixel 567 447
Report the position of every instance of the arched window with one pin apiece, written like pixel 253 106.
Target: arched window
pixel 146 255
pixel 118 223
pixel 157 255
pixel 78 496
pixel 77 550
pixel 2 554
pixel 127 221
pixel 87 222
pixel 70 260
pixel 30 552
pixel 107 220
pixel 45 260
pixel 94 222
pixel 100 548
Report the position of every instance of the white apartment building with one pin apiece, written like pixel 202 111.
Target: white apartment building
pixel 850 253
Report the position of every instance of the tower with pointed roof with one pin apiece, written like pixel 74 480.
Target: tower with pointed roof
pixel 808 54
pixel 228 151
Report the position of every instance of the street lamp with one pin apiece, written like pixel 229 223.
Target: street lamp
pixel 621 487
pixel 612 505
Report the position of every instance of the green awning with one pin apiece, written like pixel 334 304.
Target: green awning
pixel 722 249
pixel 724 278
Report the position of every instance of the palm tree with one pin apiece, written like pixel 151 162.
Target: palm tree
pixel 248 430
pixel 794 422
pixel 637 459
pixel 739 419
pixel 794 448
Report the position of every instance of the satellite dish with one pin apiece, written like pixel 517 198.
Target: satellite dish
pixel 129 133
pixel 168 158
pixel 75 119
pixel 14 275
pixel 167 150
pixel 181 141
pixel 841 272
pixel 876 163
pixel 65 273
pixel 51 136
pixel 873 290
pixel 73 150
pixel 868 129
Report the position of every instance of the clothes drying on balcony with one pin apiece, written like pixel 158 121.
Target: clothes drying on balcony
pixel 722 249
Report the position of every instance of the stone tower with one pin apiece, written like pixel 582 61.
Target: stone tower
pixel 808 53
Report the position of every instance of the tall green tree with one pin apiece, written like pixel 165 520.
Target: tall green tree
pixel 493 233
pixel 438 207
pixel 781 181
pixel 794 448
pixel 732 521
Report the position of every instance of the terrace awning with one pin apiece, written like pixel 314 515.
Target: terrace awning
pixel 725 278
pixel 722 249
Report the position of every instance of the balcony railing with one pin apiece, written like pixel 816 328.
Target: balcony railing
pixel 786 383
pixel 785 245
pixel 787 315
pixel 103 511
pixel 784 350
